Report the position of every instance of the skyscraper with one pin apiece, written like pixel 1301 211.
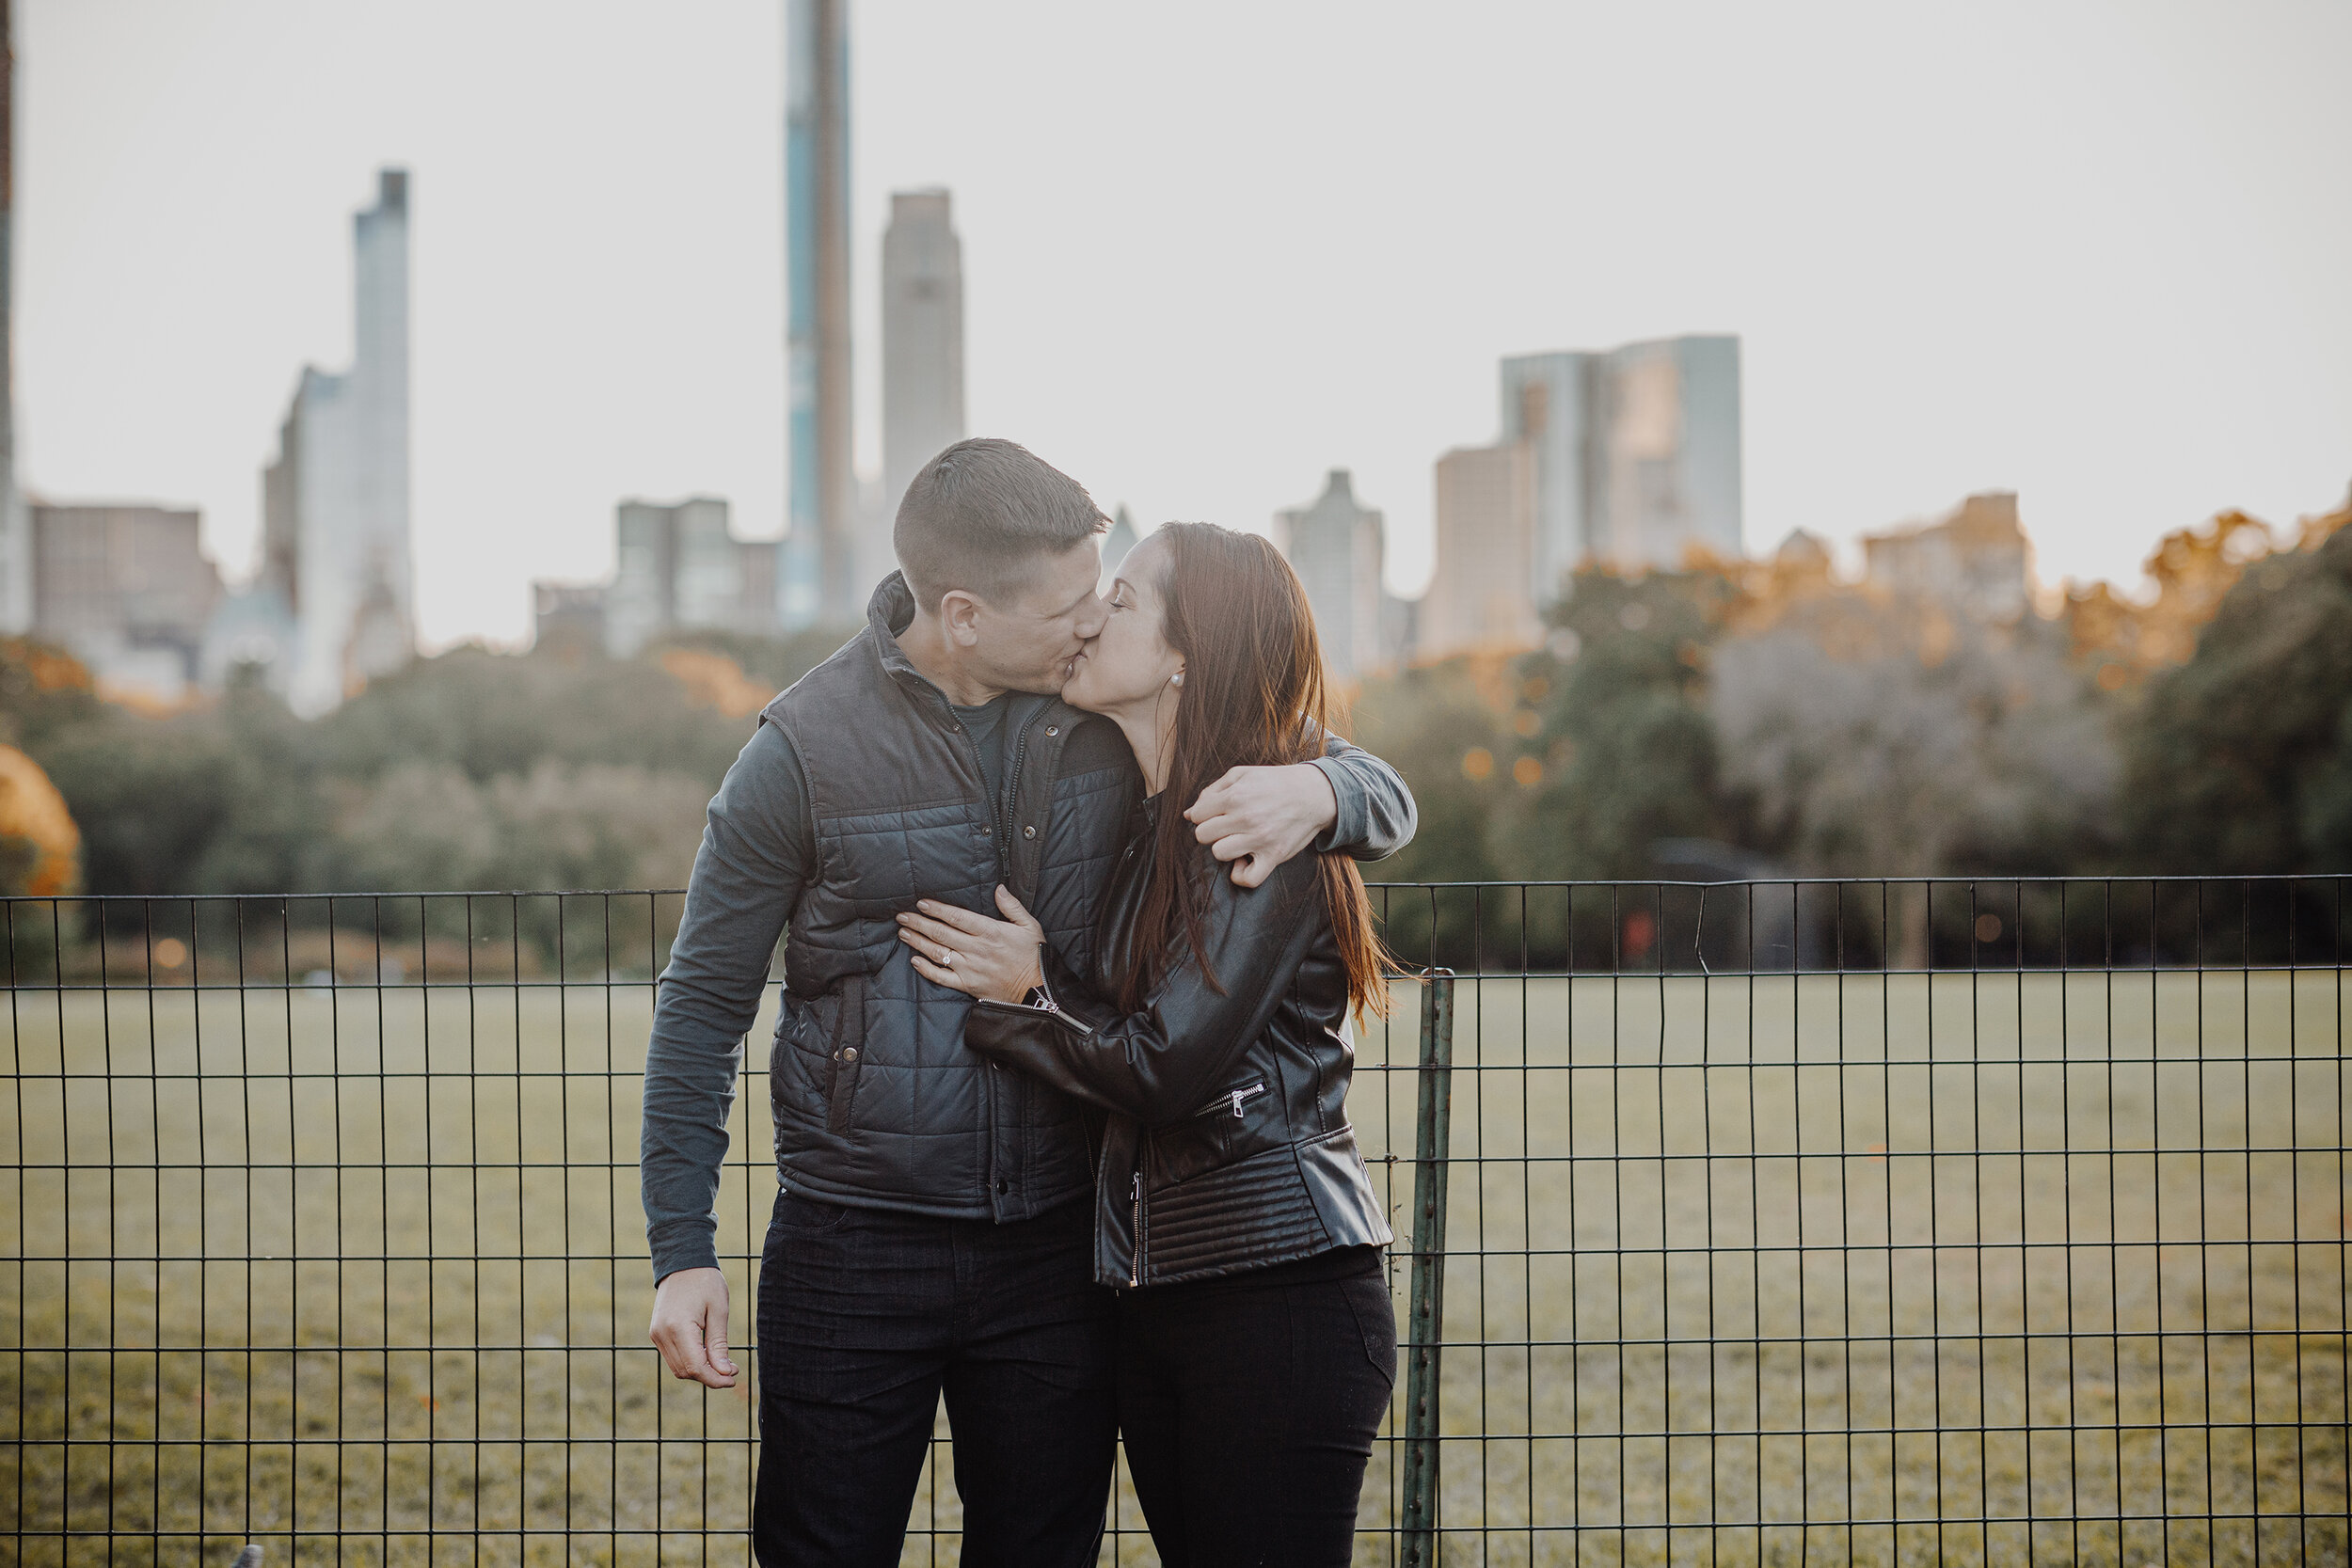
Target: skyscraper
pixel 922 328
pixel 1636 453
pixel 16 530
pixel 335 504
pixel 1480 596
pixel 820 578
pixel 1116 544
pixel 1335 544
pixel 128 588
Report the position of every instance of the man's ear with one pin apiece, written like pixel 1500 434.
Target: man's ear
pixel 960 613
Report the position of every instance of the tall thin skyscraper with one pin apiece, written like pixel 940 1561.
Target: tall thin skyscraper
pixel 16 532
pixel 819 582
pixel 922 325
pixel 335 504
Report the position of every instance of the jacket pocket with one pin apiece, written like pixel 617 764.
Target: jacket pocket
pixel 1232 1102
pixel 847 1057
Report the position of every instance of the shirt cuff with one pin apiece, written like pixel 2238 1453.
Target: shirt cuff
pixel 690 1247
pixel 1347 823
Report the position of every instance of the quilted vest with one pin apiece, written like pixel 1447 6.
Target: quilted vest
pixel 878 1101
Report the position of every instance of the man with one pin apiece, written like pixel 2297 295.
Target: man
pixel 931 1235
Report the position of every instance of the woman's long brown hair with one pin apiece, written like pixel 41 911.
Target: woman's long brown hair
pixel 1254 695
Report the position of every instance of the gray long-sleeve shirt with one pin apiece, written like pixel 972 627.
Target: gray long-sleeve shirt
pixel 757 850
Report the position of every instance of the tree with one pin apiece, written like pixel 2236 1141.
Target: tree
pixel 1907 741
pixel 1616 750
pixel 2240 762
pixel 1447 737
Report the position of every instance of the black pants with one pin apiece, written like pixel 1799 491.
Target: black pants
pixel 1248 1405
pixel 866 1317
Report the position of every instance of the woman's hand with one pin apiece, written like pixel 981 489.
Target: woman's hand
pixel 992 958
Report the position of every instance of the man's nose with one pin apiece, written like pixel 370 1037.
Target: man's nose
pixel 1091 619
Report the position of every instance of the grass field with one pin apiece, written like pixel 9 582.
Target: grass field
pixel 1978 1268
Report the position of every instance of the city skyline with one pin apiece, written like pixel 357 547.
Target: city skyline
pixel 2125 318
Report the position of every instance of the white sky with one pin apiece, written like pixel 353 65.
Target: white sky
pixel 2095 251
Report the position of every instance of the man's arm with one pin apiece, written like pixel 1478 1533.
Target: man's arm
pixel 754 855
pixel 1348 799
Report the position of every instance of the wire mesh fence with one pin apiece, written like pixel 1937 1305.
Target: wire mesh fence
pixel 1784 1221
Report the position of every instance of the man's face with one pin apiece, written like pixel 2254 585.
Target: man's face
pixel 1026 643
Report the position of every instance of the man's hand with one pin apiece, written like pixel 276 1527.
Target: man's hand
pixel 1258 818
pixel 689 1326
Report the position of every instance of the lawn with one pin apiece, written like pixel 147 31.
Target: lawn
pixel 1991 1267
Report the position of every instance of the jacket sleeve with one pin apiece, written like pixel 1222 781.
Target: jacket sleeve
pixel 757 850
pixel 1159 1065
pixel 1376 815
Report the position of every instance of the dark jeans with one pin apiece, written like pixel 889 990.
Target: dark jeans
pixel 866 1317
pixel 1248 1405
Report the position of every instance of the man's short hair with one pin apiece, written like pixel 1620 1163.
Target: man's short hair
pixel 980 515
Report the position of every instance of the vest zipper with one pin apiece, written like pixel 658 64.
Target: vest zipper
pixel 996 827
pixel 1231 1099
pixel 1013 792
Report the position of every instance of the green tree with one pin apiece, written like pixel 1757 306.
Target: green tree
pixel 1431 724
pixel 2240 760
pixel 487 714
pixel 1618 750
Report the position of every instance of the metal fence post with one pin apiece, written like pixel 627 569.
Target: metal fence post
pixel 1426 1324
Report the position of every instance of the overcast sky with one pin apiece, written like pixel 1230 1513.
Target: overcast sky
pixel 2094 251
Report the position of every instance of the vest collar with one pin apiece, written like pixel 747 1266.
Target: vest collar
pixel 890 611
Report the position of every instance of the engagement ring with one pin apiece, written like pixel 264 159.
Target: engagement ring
pixel 947 958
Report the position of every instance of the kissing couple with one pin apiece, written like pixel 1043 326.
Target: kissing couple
pixel 1072 927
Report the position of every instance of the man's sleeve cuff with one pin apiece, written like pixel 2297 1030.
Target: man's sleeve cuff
pixel 1348 822
pixel 684 1252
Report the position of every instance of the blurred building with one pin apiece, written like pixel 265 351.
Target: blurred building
pixel 1636 453
pixel 1482 595
pixel 922 328
pixel 819 582
pixel 128 590
pixel 1976 558
pixel 335 504
pixel 1121 538
pixel 567 614
pixel 16 528
pixel 1336 544
pixel 680 568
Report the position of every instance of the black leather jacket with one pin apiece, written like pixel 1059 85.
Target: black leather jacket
pixel 1226 1145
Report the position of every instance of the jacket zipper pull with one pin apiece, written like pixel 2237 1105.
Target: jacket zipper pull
pixel 1237 1100
pixel 1134 1222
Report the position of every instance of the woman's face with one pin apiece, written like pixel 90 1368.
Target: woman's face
pixel 1127 663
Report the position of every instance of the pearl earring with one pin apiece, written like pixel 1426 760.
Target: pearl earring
pixel 1176 679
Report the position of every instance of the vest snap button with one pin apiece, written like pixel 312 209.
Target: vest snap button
pixel 849 1052
pixel 1030 830
pixel 1053 729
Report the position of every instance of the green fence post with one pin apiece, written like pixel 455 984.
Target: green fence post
pixel 1425 1323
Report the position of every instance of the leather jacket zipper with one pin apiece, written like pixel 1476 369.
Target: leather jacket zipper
pixel 1231 1100
pixel 1135 1259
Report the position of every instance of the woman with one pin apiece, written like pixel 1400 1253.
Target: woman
pixel 1232 1210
